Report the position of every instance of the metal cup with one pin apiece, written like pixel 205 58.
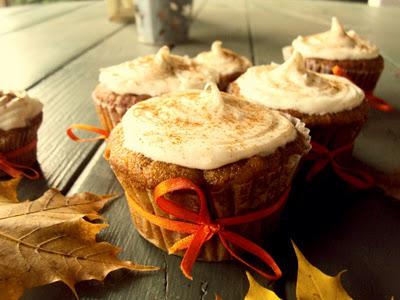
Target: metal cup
pixel 163 22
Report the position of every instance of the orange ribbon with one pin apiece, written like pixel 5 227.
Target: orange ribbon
pixel 102 134
pixel 373 101
pixel 15 170
pixel 201 228
pixel 322 157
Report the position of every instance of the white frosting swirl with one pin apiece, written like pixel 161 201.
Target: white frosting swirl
pixel 204 129
pixel 335 44
pixel 155 75
pixel 223 60
pixel 292 86
pixel 17 109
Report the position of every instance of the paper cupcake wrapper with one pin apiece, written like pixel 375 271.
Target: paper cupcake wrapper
pixel 231 200
pixel 19 137
pixel 108 118
pixel 364 73
pixel 110 114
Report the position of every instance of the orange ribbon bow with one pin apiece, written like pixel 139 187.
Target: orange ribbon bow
pixel 15 170
pixel 322 157
pixel 373 101
pixel 201 228
pixel 102 134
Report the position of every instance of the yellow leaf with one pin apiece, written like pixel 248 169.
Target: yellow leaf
pixel 258 292
pixel 8 190
pixel 313 284
pixel 48 240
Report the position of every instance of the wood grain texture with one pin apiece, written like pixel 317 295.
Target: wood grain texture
pixel 66 96
pixel 380 25
pixel 28 55
pixel 30 17
pixel 14 10
pixel 346 230
pixel 382 129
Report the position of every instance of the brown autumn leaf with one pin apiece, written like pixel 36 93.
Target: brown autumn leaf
pixel 8 190
pixel 48 240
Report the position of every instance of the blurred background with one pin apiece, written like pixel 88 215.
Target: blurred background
pixel 20 2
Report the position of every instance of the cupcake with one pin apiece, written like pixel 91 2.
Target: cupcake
pixel 20 119
pixel 332 107
pixel 357 57
pixel 228 64
pixel 242 155
pixel 126 84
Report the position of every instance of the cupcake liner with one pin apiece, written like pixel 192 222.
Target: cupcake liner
pixel 112 108
pixel 364 72
pixel 232 200
pixel 17 138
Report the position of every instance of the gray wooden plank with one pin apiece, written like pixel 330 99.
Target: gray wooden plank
pixel 209 26
pixel 66 96
pixel 14 10
pixel 379 24
pixel 51 44
pixel 30 17
pixel 382 129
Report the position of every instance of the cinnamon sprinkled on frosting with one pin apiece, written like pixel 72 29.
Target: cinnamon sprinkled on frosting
pixel 157 74
pixel 292 86
pixel 335 44
pixel 204 129
pixel 17 109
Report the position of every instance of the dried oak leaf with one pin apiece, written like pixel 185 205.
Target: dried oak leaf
pixel 313 284
pixel 48 240
pixel 258 292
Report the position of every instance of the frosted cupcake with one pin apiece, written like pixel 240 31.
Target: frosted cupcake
pixel 242 155
pixel 20 118
pixel 228 64
pixel 126 84
pixel 332 107
pixel 357 57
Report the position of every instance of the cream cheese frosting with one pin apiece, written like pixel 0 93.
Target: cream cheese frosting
pixel 291 86
pixel 223 60
pixel 335 44
pixel 17 109
pixel 204 129
pixel 157 74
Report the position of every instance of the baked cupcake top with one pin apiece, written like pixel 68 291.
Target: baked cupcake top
pixel 204 129
pixel 292 86
pixel 223 60
pixel 155 75
pixel 17 109
pixel 335 44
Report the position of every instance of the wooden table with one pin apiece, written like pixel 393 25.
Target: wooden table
pixel 56 50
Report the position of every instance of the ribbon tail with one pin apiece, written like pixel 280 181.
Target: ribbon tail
pixel 192 252
pixel 9 170
pixel 181 244
pixel 378 103
pixel 358 178
pixel 252 248
pixel 102 134
pixel 16 170
pixel 317 167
